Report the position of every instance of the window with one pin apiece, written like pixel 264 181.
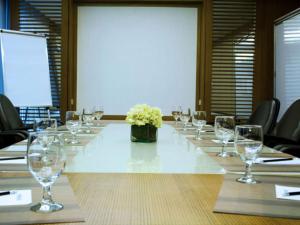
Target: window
pixel 287 58
pixel 233 57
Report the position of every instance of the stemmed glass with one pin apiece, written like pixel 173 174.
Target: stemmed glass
pixel 73 124
pixel 46 165
pixel 248 142
pixel 98 112
pixel 88 116
pixel 43 124
pixel 176 112
pixel 199 120
pixel 224 130
pixel 185 117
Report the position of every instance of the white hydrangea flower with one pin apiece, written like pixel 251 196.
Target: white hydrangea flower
pixel 143 114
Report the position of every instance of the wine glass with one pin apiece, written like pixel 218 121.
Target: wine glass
pixel 73 124
pixel 46 165
pixel 98 112
pixel 43 124
pixel 224 130
pixel 185 118
pixel 88 116
pixel 248 142
pixel 199 120
pixel 176 112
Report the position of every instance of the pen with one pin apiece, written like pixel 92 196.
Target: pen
pixel 12 158
pixel 293 193
pixel 4 193
pixel 277 160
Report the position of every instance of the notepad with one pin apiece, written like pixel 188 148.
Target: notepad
pixel 281 192
pixel 295 161
pixel 14 161
pixel 17 197
pixel 17 148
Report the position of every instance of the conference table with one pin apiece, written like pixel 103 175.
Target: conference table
pixel 175 181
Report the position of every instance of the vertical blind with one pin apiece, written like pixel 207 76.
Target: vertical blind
pixel 287 61
pixel 44 17
pixel 233 57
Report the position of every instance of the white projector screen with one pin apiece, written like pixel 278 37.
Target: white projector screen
pixel 135 55
pixel 26 78
pixel 287 62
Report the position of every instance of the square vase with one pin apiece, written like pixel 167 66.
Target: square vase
pixel 146 133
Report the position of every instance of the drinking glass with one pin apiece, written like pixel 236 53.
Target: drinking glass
pixel 43 124
pixel 199 120
pixel 185 118
pixel 176 112
pixel 98 112
pixel 248 142
pixel 46 165
pixel 73 124
pixel 88 116
pixel 224 130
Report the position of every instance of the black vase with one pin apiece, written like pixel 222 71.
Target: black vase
pixel 145 133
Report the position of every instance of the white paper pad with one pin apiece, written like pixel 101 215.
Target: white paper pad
pixel 18 197
pixel 17 148
pixel 220 142
pixel 295 161
pixel 14 161
pixel 281 192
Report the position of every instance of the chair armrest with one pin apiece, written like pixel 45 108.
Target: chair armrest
pixel 11 137
pixel 272 141
pixel 289 149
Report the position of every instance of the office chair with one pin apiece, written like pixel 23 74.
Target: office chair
pixel 266 115
pixel 286 135
pixel 11 125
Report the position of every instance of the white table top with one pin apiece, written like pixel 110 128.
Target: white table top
pixel 111 151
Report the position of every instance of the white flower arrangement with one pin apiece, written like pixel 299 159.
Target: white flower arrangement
pixel 144 114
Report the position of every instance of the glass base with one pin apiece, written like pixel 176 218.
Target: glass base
pixel 197 138
pixel 226 154
pixel 46 207
pixel 74 142
pixel 247 180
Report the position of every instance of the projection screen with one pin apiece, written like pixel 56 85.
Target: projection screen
pixel 136 55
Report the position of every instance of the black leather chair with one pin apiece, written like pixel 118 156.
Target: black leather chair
pixel 12 129
pixel 266 115
pixel 287 131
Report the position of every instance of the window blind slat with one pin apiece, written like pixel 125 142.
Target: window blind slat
pixel 233 37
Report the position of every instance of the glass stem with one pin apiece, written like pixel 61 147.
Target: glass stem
pixel 47 197
pixel 248 171
pixel 73 137
pixel 223 148
pixel 198 133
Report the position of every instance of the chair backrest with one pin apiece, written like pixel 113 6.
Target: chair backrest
pixel 9 117
pixel 266 115
pixel 289 125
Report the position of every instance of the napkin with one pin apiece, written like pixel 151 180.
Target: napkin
pixel 13 161
pixel 281 192
pixel 17 197
pixel 295 161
